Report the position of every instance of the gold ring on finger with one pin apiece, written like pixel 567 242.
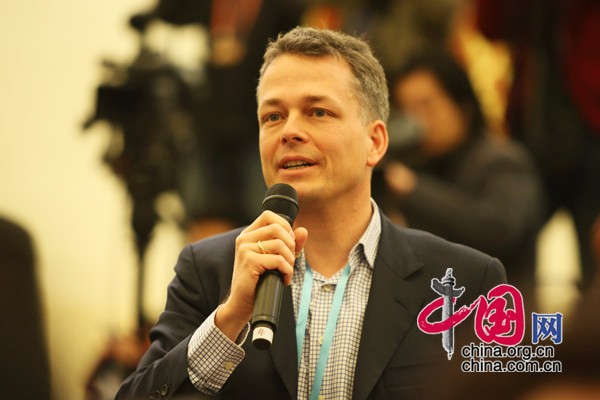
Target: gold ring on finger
pixel 262 249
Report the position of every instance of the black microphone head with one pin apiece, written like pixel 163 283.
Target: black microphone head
pixel 282 199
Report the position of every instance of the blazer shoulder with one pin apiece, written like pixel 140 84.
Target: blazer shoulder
pixel 433 254
pixel 210 258
pixel 423 242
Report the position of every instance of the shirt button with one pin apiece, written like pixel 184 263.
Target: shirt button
pixel 321 397
pixel 327 287
pixel 228 365
pixel 321 340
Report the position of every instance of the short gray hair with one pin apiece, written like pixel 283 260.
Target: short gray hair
pixel 369 86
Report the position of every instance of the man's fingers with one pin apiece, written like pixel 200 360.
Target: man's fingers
pixel 267 218
pixel 277 247
pixel 268 233
pixel 300 238
pixel 264 262
pixel 269 243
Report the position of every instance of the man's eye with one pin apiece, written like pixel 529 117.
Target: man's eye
pixel 320 113
pixel 273 117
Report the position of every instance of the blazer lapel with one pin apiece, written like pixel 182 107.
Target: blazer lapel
pixel 283 349
pixel 391 310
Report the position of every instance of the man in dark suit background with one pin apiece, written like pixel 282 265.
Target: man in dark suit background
pixel 322 102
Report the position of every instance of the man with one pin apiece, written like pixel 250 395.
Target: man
pixel 460 179
pixel 322 103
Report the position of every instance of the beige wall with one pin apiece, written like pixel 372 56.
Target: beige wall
pixel 53 182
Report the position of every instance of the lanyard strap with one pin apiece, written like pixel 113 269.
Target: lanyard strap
pixel 334 313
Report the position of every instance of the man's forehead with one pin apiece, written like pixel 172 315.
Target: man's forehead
pixel 312 65
pixel 303 98
pixel 298 72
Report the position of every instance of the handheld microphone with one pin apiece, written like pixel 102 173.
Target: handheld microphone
pixel 282 199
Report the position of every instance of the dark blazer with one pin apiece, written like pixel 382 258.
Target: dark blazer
pixel 395 360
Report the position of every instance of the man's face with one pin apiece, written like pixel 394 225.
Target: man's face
pixel 311 133
pixel 423 98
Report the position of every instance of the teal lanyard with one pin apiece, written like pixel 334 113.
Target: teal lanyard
pixel 334 313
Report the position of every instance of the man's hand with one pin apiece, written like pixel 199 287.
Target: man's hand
pixel 400 179
pixel 281 243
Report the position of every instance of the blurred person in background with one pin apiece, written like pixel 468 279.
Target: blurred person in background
pixel 447 175
pixel 554 106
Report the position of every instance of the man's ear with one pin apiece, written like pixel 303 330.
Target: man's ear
pixel 378 142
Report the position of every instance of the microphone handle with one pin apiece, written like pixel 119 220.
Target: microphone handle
pixel 269 292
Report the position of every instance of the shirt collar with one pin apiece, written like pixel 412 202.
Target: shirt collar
pixel 367 245
pixel 369 241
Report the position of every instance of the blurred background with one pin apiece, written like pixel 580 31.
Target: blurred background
pixel 93 209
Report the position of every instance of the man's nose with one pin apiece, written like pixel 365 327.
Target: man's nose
pixel 293 130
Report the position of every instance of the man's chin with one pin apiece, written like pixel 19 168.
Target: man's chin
pixel 309 196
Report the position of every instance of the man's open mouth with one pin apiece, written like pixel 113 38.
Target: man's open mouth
pixel 296 164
